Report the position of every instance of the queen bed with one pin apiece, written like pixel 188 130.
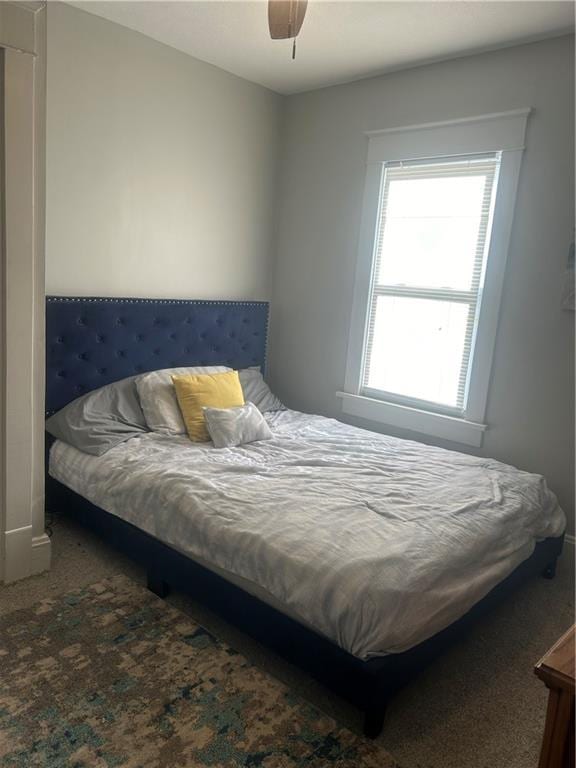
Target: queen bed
pixel 356 555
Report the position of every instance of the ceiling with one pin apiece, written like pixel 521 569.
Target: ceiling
pixel 341 40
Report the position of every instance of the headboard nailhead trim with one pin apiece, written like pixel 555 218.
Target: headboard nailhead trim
pixel 198 302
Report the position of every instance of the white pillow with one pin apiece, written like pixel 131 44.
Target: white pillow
pixel 235 426
pixel 158 397
pixel 257 391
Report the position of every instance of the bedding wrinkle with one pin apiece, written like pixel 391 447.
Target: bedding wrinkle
pixel 375 542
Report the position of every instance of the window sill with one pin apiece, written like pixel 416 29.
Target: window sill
pixel 427 423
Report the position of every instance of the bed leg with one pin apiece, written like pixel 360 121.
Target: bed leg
pixel 374 722
pixel 550 571
pixel 156 584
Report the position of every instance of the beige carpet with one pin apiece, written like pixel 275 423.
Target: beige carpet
pixel 479 706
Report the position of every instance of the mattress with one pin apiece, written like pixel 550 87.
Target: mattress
pixel 374 542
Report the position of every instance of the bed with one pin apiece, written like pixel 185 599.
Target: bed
pixel 324 542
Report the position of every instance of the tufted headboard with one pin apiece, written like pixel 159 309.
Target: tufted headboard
pixel 93 341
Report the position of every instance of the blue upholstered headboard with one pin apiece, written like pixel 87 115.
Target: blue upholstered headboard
pixel 93 341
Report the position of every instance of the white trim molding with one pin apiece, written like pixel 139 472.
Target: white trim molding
pixel 503 133
pixel 498 132
pixel 24 546
pixel 18 553
pixel 414 419
pixel 26 555
pixel 41 554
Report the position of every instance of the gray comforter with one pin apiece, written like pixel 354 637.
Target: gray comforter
pixel 377 543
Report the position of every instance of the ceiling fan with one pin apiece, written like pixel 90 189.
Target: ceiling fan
pixel 285 19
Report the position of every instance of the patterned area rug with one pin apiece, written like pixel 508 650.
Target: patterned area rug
pixel 111 676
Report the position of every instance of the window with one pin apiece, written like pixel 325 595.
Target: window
pixel 434 226
pixel 434 241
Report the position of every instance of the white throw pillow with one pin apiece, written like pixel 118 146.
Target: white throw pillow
pixel 158 397
pixel 235 426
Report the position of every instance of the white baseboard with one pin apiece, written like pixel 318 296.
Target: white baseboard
pixel 25 555
pixel 41 554
pixel 18 552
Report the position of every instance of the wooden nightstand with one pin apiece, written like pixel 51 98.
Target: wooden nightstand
pixel 556 669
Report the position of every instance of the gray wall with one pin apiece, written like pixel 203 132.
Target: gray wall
pixel 161 169
pixel 530 409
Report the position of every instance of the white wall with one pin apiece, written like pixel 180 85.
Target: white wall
pixel 161 169
pixel 530 410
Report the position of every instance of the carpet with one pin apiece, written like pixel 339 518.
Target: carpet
pixel 110 676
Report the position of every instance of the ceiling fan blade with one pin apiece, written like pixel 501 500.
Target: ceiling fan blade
pixel 285 18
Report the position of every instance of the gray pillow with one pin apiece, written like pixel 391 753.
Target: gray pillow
pixel 101 419
pixel 235 426
pixel 257 391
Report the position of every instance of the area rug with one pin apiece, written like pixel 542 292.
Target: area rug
pixel 110 676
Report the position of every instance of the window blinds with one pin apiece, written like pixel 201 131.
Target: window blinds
pixel 433 227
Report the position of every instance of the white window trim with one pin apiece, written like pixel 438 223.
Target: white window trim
pixel 501 132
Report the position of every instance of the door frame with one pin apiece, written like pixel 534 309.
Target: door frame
pixel 25 546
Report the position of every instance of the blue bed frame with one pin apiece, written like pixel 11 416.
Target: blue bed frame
pixel 92 341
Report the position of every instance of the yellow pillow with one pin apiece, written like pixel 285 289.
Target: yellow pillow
pixel 211 390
